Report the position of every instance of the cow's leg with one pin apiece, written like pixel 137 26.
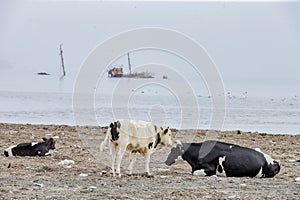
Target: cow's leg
pixel 112 152
pixel 147 162
pixel 120 155
pixel 132 160
pixel 205 170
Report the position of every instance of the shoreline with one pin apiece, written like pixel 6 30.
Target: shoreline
pixel 184 129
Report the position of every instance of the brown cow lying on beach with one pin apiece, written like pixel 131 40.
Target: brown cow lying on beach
pixel 134 136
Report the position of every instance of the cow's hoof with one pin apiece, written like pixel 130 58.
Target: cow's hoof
pixel 148 175
pixel 112 173
pixel 118 175
pixel 199 173
pixel 129 172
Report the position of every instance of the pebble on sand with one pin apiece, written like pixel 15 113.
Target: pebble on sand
pixel 66 162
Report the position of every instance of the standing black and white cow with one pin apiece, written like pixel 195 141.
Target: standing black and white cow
pixel 134 136
pixel 31 149
pixel 218 158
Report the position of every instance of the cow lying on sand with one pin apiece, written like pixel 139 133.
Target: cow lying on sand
pixel 219 158
pixel 134 136
pixel 31 149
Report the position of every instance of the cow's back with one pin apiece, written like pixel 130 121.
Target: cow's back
pixel 136 131
pixel 24 150
pixel 242 161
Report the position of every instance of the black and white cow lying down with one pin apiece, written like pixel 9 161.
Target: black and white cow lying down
pixel 218 158
pixel 31 149
pixel 134 136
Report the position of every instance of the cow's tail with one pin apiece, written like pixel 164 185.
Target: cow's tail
pixel 103 143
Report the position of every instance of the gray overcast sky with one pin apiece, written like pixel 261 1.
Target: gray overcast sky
pixel 256 46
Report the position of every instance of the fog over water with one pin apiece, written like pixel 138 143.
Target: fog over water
pixel 255 47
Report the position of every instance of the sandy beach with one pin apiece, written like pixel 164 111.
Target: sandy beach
pixel 45 178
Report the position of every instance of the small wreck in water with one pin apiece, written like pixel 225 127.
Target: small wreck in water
pixel 117 72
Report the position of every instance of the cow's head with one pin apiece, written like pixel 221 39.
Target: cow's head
pixel 114 126
pixel 50 143
pixel 273 169
pixel 166 136
pixel 174 154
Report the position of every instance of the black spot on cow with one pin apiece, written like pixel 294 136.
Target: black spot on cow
pixel 150 145
pixel 157 140
pixel 155 128
pixel 166 130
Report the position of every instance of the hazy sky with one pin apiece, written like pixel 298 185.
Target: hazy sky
pixel 256 46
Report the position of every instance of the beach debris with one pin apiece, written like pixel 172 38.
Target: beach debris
pixel 77 146
pixel 11 132
pixel 271 142
pixel 243 185
pixel 93 187
pixel 295 163
pixel 39 184
pixel 103 172
pixel 163 169
pixel 214 176
pixel 231 197
pixel 83 175
pixel 164 176
pixel 66 162
pixel 53 135
pixel 297 179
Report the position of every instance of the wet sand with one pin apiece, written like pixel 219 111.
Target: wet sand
pixel 44 178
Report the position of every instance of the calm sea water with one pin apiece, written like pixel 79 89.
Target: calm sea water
pixel 246 114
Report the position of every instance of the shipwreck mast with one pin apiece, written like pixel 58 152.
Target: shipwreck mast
pixel 129 64
pixel 62 60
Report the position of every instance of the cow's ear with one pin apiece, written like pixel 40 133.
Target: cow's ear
pixel 166 130
pixel 118 124
pixel 180 147
pixel 44 139
pixel 111 125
